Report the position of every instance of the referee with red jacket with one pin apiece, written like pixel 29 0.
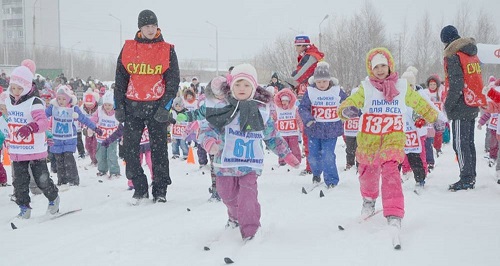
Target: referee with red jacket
pixel 147 79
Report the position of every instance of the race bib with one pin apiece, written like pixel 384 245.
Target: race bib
pixel 106 132
pixel 145 136
pixel 412 144
pixel 242 149
pixel 352 124
pixel 380 124
pixel 17 140
pixel 493 122
pixel 324 113
pixel 287 125
pixel 178 131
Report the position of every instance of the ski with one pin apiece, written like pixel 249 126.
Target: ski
pixel 396 242
pixel 362 219
pixel 48 217
pixel 307 190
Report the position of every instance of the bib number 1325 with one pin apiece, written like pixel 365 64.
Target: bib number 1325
pixel 381 124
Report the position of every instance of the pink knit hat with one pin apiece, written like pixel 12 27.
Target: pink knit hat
pixel 23 77
pixel 29 64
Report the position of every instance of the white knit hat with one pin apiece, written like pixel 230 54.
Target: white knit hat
pixel 23 77
pixel 108 97
pixel 246 72
pixel 379 59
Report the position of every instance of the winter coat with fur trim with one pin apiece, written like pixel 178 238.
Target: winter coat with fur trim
pixel 455 106
pixel 293 101
pixel 208 133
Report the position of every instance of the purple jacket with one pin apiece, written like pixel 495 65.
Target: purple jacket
pixel 327 130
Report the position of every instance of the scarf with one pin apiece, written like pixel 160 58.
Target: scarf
pixel 250 118
pixel 387 86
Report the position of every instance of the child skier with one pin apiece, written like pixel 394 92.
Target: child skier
pixel 318 110
pixel 90 100
pixel 64 113
pixel 107 158
pixel 383 98
pixel 178 130
pixel 233 135
pixel 27 123
pixel 288 121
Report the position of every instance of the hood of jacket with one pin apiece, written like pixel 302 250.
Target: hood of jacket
pixel 285 92
pixel 465 45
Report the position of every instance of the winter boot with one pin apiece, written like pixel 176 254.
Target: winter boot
pixel 232 223
pixel 160 199
pixel 53 207
pixel 25 212
pixel 130 185
pixel 138 197
pixel 394 221
pixel 305 172
pixel 419 187
pixel 316 179
pixel 461 185
pixel 368 208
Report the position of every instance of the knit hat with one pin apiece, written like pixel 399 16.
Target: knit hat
pixel 23 77
pixel 178 102
pixel 491 79
pixel 449 34
pixel 147 17
pixel 246 72
pixel 322 71
pixel 434 78
pixel 29 64
pixel 108 98
pixel 216 85
pixel 275 75
pixel 302 40
pixel 410 77
pixel 285 98
pixel 64 90
pixel 379 59
pixel 194 78
pixel 90 97
pixel 271 90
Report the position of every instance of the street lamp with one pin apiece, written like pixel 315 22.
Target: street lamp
pixel 119 20
pixel 71 57
pixel 216 47
pixel 326 16
pixel 34 31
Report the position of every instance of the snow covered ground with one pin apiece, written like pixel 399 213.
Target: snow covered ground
pixel 440 227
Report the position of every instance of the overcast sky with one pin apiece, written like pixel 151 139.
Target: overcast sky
pixel 244 26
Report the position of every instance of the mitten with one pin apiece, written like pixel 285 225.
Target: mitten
pixel 98 131
pixel 26 130
pixel 291 160
pixel 106 143
pixel 350 112
pixel 50 142
pixel 162 115
pixel 420 122
pixel 181 118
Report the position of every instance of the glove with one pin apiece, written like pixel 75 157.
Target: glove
pixel 181 118
pixel 120 115
pixel 162 115
pixel 98 131
pixel 106 143
pixel 479 126
pixel 291 160
pixel 350 112
pixel 420 122
pixel 50 142
pixel 212 146
pixel 26 130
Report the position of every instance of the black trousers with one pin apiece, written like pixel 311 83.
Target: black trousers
pixel 132 133
pixel 22 180
pixel 67 171
pixel 351 145
pixel 463 144
pixel 79 144
pixel 417 166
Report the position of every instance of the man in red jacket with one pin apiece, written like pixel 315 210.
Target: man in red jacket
pixel 308 57
pixel 147 79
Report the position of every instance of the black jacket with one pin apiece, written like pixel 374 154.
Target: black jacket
pixel 146 109
pixel 454 105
